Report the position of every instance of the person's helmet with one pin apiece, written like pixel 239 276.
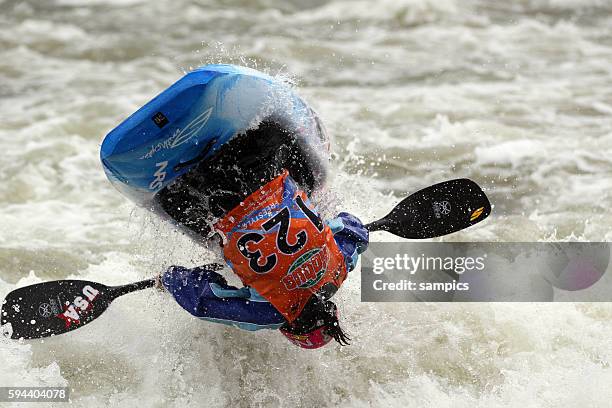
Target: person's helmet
pixel 201 146
pixel 310 340
pixel 316 326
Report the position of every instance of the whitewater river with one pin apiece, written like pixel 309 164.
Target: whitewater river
pixel 516 95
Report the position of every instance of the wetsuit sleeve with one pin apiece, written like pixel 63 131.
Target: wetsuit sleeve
pixel 351 236
pixel 206 295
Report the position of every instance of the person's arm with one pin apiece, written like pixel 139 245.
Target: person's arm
pixel 206 295
pixel 351 236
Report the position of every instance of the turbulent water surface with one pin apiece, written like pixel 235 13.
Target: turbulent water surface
pixel 515 95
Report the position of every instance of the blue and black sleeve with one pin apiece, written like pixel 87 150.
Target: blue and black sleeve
pixel 206 295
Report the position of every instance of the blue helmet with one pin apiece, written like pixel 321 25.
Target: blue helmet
pixel 194 118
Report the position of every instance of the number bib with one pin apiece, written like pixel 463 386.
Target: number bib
pixel 277 244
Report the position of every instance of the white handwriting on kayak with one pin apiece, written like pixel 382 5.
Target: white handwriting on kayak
pixel 180 136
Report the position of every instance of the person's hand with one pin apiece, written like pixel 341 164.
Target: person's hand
pixel 183 274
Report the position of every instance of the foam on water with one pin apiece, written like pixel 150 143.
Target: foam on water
pixel 516 95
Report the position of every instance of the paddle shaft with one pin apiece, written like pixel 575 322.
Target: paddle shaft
pixel 379 225
pixel 116 291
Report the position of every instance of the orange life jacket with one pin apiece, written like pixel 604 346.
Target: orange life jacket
pixel 277 244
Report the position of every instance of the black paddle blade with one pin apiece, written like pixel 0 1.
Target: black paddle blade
pixel 51 308
pixel 437 210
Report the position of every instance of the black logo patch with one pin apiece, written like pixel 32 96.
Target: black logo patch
pixel 160 120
